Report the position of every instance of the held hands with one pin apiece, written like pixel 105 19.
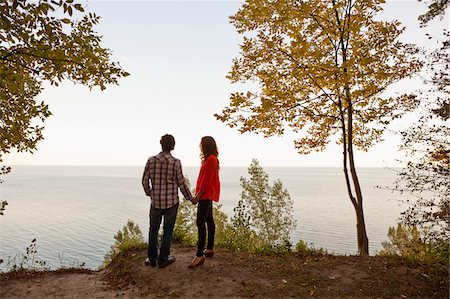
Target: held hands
pixel 196 198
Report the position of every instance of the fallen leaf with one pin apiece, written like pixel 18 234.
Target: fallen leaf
pixel 284 280
pixel 312 292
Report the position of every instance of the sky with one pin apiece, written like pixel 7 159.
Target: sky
pixel 178 54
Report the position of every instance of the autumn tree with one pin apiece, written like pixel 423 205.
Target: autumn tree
pixel 427 172
pixel 427 144
pixel 322 68
pixel 42 41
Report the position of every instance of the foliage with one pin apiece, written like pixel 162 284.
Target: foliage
pixel 265 209
pixel 43 41
pixel 322 67
pixel 304 249
pixel 406 241
pixel 262 220
pixel 435 8
pixel 427 175
pixel 403 241
pixel 241 236
pixel 27 261
pixel 3 203
pixel 129 237
pixel 185 231
pixel 427 143
pixel 310 58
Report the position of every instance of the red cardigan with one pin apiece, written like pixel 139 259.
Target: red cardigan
pixel 208 179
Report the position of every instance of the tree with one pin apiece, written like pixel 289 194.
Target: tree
pixel 427 143
pixel 265 209
pixel 427 173
pixel 43 41
pixel 322 67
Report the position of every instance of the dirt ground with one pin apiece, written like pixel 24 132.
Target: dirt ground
pixel 237 276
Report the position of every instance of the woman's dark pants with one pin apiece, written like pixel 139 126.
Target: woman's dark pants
pixel 205 219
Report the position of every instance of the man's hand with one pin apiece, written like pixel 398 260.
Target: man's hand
pixel 196 198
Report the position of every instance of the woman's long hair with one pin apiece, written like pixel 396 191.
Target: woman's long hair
pixel 208 147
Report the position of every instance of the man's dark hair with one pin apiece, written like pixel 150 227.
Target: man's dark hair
pixel 167 142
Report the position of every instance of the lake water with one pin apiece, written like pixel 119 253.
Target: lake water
pixel 74 211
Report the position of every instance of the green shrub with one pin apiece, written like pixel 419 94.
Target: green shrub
pixel 130 237
pixel 406 241
pixel 185 231
pixel 303 248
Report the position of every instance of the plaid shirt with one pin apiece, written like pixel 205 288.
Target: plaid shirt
pixel 166 177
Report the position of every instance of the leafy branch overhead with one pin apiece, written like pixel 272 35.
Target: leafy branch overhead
pixel 44 41
pixel 295 51
pixel 436 8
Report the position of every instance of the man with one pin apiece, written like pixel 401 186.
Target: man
pixel 166 176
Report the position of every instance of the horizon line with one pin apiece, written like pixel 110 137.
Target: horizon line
pixel 225 166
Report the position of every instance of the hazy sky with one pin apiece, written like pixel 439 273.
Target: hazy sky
pixel 178 54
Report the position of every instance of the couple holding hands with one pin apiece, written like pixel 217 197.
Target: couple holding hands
pixel 162 177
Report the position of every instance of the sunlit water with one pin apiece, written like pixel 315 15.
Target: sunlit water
pixel 74 212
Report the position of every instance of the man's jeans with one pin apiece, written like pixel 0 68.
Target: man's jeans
pixel 156 216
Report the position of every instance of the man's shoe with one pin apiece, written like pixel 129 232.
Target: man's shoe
pixel 197 261
pixel 208 253
pixel 147 262
pixel 170 260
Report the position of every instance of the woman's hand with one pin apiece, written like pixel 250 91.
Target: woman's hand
pixel 196 198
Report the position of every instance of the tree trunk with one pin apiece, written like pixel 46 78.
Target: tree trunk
pixel 363 241
pixel 347 136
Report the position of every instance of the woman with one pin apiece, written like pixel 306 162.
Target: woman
pixel 207 191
